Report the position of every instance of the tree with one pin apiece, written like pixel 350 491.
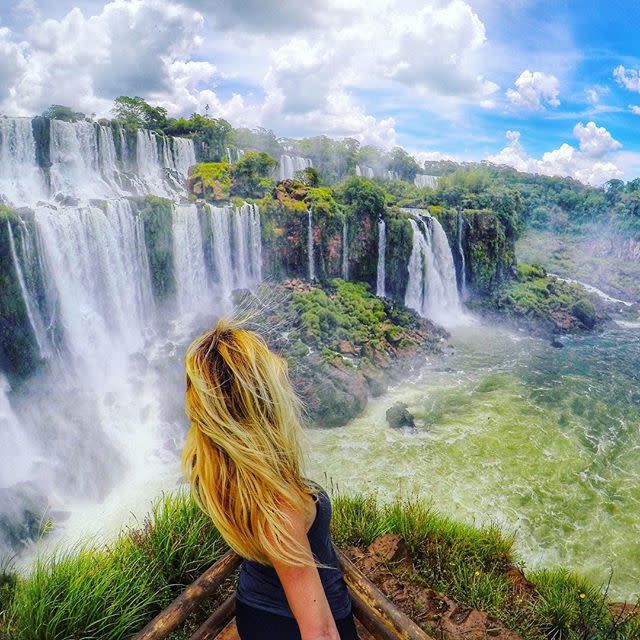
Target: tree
pixel 252 174
pixel 60 112
pixel 211 136
pixel 136 113
pixel 402 164
pixel 363 197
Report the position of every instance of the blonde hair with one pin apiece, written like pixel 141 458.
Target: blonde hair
pixel 242 454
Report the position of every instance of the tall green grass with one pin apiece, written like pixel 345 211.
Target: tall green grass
pixel 110 592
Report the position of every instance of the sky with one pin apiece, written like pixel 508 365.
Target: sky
pixel 544 86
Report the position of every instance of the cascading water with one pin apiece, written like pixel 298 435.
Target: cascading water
pixel 106 408
pixel 188 257
pixel 422 181
pixel 463 262
pixel 431 288
pixel 289 165
pixel 310 251
pixel 382 245
pixel 21 180
pixel 345 250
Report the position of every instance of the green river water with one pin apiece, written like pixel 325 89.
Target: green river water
pixel 543 441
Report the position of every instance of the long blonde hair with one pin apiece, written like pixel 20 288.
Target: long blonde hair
pixel 242 454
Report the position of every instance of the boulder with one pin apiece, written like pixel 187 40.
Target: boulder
pixel 398 416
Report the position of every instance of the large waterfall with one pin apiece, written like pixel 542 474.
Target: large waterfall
pixel 289 165
pixel 114 282
pixel 431 289
pixel 463 261
pixel 382 250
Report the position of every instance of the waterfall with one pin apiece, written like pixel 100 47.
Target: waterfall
pixel 16 465
pixel 310 251
pixel 188 258
pixel 289 165
pixel 21 180
pixel 105 408
pixel 382 245
pixel 431 288
pixel 94 259
pixel 422 181
pixel 345 250
pixel 221 240
pixel 237 247
pixel 463 264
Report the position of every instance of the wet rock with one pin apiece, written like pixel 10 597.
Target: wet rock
pixel 398 416
pixel 22 513
pixel 557 343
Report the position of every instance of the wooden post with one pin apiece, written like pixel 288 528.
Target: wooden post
pixel 178 611
pixel 217 621
pixel 372 606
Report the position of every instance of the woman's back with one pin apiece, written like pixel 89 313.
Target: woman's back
pixel 259 585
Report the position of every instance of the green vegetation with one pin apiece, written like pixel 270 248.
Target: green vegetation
pixel 60 112
pixel 157 217
pixel 252 175
pixel 211 180
pixel 111 591
pixel 211 136
pixel 473 565
pixel 134 113
pixel 349 312
pixel 535 296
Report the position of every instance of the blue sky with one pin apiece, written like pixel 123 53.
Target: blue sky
pixel 543 86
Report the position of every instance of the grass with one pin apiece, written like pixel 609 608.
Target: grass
pixel 470 564
pixel 109 592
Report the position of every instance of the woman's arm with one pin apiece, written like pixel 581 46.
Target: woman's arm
pixel 304 590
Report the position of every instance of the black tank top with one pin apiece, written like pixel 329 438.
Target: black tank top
pixel 260 587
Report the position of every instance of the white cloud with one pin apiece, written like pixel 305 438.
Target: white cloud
pixel 128 48
pixel 593 162
pixel 634 108
pixel 595 93
pixel 534 90
pixel 628 78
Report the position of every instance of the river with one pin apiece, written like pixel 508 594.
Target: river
pixel 543 441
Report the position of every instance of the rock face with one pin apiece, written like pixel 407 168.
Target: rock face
pixel 336 365
pixel 398 416
pixel 23 508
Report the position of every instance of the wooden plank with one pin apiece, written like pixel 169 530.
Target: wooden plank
pixel 373 604
pixel 217 621
pixel 177 612
pixel 230 632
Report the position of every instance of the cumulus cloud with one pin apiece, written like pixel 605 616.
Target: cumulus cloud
pixel 534 90
pixel 263 16
pixel 593 162
pixel 634 108
pixel 628 78
pixel 128 48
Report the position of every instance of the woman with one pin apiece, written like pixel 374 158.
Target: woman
pixel 242 457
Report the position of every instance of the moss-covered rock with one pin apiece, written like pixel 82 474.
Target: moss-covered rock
pixel 342 343
pixel 210 180
pixel 543 303
pixel 157 219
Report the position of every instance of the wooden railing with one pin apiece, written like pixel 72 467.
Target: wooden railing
pixel 376 613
